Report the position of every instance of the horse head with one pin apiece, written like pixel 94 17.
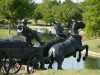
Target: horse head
pixel 75 26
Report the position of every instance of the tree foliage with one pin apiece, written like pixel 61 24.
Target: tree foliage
pixel 92 17
pixel 46 10
pixel 56 12
pixel 66 11
pixel 37 13
pixel 16 9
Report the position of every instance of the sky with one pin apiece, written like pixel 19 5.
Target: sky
pixel 40 1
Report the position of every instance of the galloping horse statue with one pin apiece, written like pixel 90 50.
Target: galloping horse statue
pixel 56 40
pixel 69 47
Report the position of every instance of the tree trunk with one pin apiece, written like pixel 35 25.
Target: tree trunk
pixel 65 24
pixel 69 24
pixel 35 21
pixel 50 23
pixel 46 23
pixel 9 28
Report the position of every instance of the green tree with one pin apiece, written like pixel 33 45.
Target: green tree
pixel 57 13
pixel 92 17
pixel 37 13
pixel 70 10
pixel 14 10
pixel 55 2
pixel 66 11
pixel 46 10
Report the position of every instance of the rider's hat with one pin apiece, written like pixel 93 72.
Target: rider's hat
pixel 24 21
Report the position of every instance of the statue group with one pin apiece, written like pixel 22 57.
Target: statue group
pixel 69 47
pixel 60 47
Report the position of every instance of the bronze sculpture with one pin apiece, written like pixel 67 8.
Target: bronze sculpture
pixel 69 47
pixel 23 30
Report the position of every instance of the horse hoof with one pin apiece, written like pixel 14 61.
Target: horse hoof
pixel 84 58
pixel 78 60
pixel 44 68
pixel 49 67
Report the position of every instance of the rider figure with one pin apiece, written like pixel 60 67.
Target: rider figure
pixel 28 33
pixel 59 29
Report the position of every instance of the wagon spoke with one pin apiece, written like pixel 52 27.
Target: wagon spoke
pixel 6 60
pixel 33 63
pixel 15 68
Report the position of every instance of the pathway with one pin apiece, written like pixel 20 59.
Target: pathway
pixel 91 53
pixel 51 28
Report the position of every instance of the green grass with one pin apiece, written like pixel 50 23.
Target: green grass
pixel 94 45
pixel 92 63
pixel 65 72
pixel 4 33
pixel 68 72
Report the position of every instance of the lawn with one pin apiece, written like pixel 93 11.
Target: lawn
pixel 4 33
pixel 65 72
pixel 68 72
pixel 94 45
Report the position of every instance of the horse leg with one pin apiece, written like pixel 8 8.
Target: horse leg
pixel 86 54
pixel 42 66
pixel 49 59
pixel 39 40
pixel 60 64
pixel 50 64
pixel 74 55
pixel 79 57
pixel 0 65
pixel 29 42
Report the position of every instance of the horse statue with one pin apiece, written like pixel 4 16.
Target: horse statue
pixel 69 47
pixel 56 40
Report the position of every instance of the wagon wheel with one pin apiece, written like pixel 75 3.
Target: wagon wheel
pixel 6 63
pixel 34 63
pixel 1 64
pixel 16 66
pixel 1 61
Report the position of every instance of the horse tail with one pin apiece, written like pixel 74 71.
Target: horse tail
pixel 50 55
